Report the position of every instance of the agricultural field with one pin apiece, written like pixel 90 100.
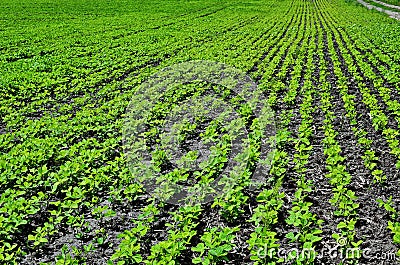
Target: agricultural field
pixel 299 99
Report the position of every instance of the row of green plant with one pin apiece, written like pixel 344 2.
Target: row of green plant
pixel 393 223
pixel 344 199
pixel 369 156
pixel 306 223
pixel 263 244
pixel 355 60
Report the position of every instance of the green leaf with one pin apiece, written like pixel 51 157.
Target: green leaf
pixel 197 260
pixel 291 236
pixel 341 225
pixel 137 258
pixel 43 240
pixel 199 248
